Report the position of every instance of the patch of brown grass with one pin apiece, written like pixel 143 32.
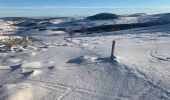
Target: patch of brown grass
pixel 7 44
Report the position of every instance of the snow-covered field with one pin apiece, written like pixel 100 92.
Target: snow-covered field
pixel 57 68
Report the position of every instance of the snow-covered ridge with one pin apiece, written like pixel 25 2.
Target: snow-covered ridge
pixel 18 26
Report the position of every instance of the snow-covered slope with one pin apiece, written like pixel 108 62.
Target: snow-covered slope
pixel 57 68
pixel 6 27
pixel 82 69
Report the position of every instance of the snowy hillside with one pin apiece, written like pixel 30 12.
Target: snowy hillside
pixel 6 27
pixel 51 66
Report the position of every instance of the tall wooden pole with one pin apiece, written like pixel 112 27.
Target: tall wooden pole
pixel 112 52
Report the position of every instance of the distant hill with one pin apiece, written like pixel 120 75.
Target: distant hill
pixel 162 17
pixel 103 16
pixel 117 27
pixel 137 15
pixel 155 18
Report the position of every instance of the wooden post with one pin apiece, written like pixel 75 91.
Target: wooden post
pixel 112 52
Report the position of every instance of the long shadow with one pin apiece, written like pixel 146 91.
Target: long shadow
pixel 106 59
pixel 26 74
pixel 78 60
pixel 15 67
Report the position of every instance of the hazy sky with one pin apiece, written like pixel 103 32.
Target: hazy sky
pixel 80 7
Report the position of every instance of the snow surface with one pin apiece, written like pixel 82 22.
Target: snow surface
pixel 57 68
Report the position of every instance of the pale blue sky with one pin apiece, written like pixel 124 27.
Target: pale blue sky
pixel 80 7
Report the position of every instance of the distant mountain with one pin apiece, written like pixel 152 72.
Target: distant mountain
pixel 162 17
pixel 137 15
pixel 103 16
